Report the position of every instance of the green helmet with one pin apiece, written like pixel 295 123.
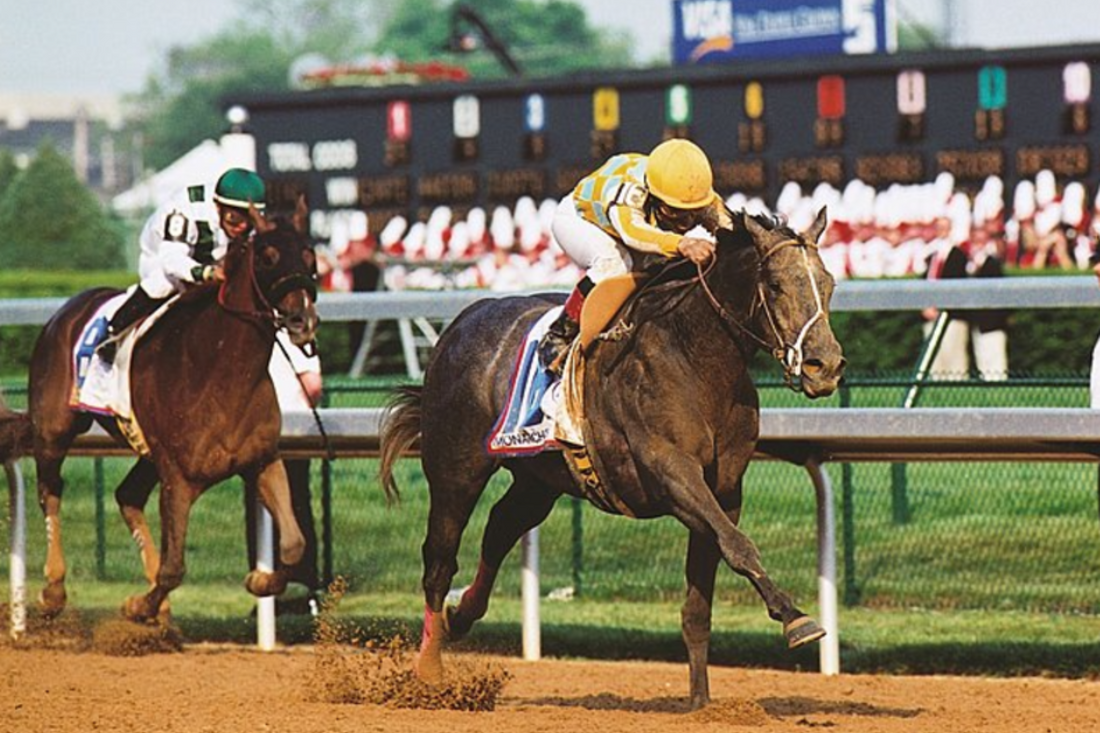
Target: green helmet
pixel 238 188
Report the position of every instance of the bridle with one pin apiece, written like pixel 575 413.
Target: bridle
pixel 267 312
pixel 788 354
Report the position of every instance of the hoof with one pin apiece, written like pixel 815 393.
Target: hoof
pixel 265 584
pixel 429 668
pixel 455 624
pixel 136 609
pixel 52 599
pixel 802 631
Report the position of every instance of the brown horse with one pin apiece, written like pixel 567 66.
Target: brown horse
pixel 201 395
pixel 672 411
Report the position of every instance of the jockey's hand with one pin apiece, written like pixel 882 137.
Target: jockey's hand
pixel 696 249
pixel 218 274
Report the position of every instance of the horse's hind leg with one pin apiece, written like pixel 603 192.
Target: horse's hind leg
pixel 132 495
pixel 452 502
pixel 176 497
pixel 50 487
pixel 50 451
pixel 524 506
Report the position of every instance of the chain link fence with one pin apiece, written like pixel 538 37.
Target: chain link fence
pixel 1005 536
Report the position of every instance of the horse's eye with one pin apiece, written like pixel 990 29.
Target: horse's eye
pixel 269 257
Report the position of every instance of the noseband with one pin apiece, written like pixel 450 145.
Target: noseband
pixel 788 354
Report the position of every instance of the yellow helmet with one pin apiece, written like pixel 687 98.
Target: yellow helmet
pixel 679 174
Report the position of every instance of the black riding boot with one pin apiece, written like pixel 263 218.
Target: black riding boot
pixel 556 341
pixel 133 309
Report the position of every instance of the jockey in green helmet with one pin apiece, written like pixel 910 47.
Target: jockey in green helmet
pixel 183 243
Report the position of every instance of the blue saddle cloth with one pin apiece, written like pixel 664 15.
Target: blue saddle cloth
pixel 524 428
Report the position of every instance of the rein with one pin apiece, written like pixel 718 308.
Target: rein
pixel 789 355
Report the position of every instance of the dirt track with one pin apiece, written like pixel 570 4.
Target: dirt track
pixel 224 690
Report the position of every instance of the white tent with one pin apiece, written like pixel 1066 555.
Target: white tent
pixel 202 163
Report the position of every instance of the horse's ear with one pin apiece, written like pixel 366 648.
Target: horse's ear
pixel 259 223
pixel 756 229
pixel 301 216
pixel 815 230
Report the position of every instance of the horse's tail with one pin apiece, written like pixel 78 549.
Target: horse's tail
pixel 400 429
pixel 16 434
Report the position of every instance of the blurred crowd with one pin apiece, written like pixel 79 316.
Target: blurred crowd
pixel 901 230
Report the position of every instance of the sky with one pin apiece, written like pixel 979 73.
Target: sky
pixel 106 47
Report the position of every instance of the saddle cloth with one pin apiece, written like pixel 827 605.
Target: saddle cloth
pixel 528 424
pixel 102 388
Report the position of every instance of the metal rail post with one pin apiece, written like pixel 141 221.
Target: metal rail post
pixel 826 568
pixel 100 522
pixel 265 562
pixel 17 564
pixel 532 630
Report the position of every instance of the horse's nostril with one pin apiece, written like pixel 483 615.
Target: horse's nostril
pixel 812 367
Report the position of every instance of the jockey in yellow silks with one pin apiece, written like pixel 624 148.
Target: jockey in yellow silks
pixel 632 203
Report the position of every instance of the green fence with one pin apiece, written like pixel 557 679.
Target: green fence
pixel 970 535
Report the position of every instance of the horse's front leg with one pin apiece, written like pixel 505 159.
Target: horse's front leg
pixel 695 615
pixel 703 556
pixel 273 488
pixel 131 496
pixel 177 495
pixel 694 504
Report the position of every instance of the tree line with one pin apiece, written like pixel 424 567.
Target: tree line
pixel 50 220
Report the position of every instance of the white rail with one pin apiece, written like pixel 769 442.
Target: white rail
pixel 808 436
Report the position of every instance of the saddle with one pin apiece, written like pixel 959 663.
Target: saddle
pixel 604 302
pixel 614 295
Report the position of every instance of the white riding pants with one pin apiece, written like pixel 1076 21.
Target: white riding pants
pixel 953 358
pixel 590 247
pixel 990 354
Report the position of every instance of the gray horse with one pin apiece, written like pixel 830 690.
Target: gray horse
pixel 672 414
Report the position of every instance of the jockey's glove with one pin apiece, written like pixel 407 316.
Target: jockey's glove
pixel 202 273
